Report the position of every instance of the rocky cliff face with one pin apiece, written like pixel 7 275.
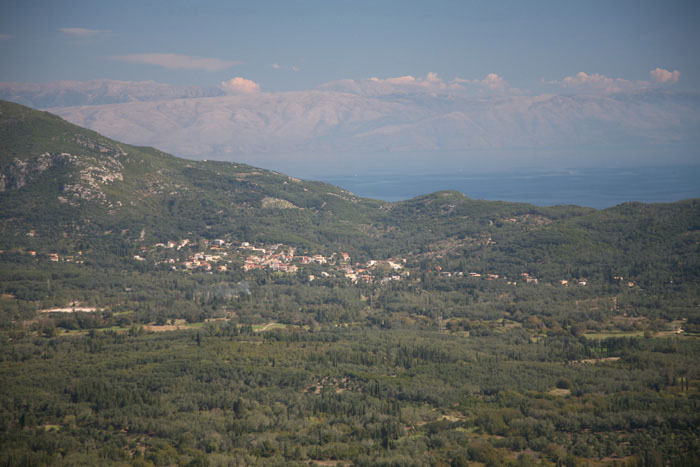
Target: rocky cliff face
pixel 85 182
pixel 19 172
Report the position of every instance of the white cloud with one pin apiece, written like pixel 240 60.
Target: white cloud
pixel 432 83
pixel 240 85
pixel 662 76
pixel 598 83
pixel 277 66
pixel 397 80
pixel 83 33
pixel 492 83
pixel 178 62
pixel 596 80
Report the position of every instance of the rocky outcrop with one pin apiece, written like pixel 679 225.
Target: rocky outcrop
pixel 91 171
pixel 19 173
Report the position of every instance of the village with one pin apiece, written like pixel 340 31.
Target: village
pixel 221 256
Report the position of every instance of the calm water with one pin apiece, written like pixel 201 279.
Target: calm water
pixel 596 188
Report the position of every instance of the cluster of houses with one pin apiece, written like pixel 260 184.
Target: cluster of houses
pixel 55 257
pixel 220 256
pixel 524 277
pixel 270 258
pixel 477 275
pixel 366 273
pixel 621 280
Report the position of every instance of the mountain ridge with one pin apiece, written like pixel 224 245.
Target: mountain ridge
pixel 328 121
pixel 98 91
pixel 377 124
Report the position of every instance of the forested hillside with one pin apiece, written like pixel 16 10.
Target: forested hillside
pixel 161 311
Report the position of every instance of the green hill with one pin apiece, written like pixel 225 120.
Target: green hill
pixel 57 177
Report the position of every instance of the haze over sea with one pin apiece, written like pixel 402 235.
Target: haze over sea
pixel 598 188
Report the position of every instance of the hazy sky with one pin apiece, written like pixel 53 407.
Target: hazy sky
pixel 295 45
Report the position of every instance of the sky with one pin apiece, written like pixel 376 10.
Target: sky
pixel 461 82
pixel 295 45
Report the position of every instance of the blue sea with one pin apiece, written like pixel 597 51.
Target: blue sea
pixel 597 188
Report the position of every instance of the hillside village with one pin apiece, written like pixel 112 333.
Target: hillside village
pixel 219 256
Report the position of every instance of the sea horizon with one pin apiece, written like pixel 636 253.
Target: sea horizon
pixel 597 188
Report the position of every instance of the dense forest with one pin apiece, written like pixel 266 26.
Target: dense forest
pixel 160 311
pixel 226 395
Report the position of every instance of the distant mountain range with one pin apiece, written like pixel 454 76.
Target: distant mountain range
pixel 97 92
pixel 365 119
